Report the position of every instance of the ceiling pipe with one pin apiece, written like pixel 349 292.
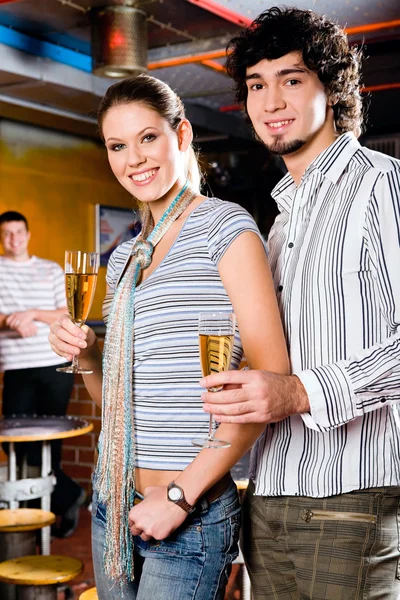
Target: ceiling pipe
pixel 212 64
pixel 381 87
pixel 185 60
pixel 372 27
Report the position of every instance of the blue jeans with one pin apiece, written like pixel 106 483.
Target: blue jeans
pixel 193 563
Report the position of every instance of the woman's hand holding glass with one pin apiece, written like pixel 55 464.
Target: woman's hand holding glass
pixel 69 340
pixel 81 270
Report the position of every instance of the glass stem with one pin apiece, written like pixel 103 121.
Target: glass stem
pixel 211 428
pixel 75 364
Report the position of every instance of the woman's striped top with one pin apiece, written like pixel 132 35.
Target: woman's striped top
pixel 166 371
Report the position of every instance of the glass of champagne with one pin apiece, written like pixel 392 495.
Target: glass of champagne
pixel 81 270
pixel 216 334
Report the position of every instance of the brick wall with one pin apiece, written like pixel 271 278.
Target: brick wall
pixel 78 452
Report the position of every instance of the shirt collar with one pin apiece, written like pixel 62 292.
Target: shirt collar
pixel 333 160
pixel 330 163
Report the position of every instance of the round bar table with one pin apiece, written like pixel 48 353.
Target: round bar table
pixel 16 429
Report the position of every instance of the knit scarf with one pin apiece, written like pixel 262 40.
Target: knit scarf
pixel 115 474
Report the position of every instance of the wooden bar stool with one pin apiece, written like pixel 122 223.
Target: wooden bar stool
pixel 22 428
pixel 18 529
pixel 90 594
pixel 37 577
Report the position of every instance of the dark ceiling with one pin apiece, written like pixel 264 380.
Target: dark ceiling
pixel 45 48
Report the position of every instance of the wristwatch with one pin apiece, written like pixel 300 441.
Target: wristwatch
pixel 176 495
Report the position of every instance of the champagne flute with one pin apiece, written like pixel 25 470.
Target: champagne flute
pixel 81 270
pixel 216 335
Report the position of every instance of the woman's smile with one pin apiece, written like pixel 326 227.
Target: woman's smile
pixel 144 177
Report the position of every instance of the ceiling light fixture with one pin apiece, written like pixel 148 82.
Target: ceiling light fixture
pixel 119 41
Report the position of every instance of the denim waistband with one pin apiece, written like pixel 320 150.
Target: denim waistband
pixel 202 504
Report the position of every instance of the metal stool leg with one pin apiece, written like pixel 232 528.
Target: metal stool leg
pixel 45 501
pixel 17 543
pixel 24 474
pixel 12 545
pixel 24 467
pixel 37 592
pixel 12 470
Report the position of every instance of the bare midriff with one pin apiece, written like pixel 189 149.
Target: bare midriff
pixel 147 477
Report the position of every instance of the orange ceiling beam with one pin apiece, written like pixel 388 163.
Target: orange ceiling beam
pixel 214 65
pixel 372 27
pixel 381 87
pixel 185 60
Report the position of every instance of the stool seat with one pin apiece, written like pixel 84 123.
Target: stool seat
pixel 90 594
pixel 25 519
pixel 40 570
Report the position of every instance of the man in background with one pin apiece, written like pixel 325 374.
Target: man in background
pixel 32 295
pixel 321 516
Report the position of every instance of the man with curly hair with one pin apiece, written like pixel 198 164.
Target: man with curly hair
pixel 321 515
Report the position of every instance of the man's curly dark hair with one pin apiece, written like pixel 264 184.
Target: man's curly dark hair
pixel 325 50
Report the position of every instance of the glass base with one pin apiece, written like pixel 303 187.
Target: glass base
pixel 210 443
pixel 74 369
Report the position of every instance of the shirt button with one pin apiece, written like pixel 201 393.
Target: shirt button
pixel 290 245
pixel 280 288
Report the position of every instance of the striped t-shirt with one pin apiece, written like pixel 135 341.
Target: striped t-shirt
pixel 166 371
pixel 35 283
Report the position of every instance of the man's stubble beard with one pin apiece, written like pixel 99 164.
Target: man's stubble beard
pixel 279 147
pixel 282 148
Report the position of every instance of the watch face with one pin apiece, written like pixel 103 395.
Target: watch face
pixel 174 494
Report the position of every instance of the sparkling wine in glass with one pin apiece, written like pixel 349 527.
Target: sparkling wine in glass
pixel 81 270
pixel 216 335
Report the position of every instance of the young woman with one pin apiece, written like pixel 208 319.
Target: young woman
pixel 194 254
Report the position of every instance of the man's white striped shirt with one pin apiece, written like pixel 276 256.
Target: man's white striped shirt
pixel 335 255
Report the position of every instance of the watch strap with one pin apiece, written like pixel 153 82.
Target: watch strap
pixel 182 502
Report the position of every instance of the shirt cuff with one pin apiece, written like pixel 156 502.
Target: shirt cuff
pixel 331 397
